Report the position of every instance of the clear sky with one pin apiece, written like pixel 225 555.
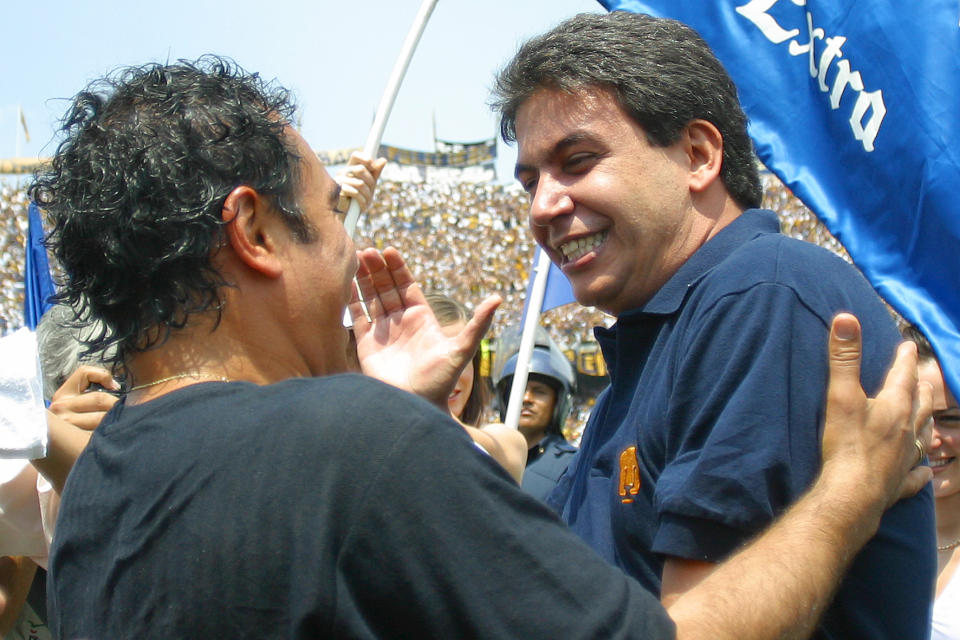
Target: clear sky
pixel 335 56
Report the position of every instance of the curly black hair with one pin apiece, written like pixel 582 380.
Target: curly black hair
pixel 136 189
pixel 661 71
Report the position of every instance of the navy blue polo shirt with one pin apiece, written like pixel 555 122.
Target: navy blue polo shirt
pixel 711 425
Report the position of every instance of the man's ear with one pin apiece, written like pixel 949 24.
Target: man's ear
pixel 250 228
pixel 704 147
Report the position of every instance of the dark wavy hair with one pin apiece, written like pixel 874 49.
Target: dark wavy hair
pixel 136 189
pixel 662 73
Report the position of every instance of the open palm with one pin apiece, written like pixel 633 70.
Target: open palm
pixel 399 340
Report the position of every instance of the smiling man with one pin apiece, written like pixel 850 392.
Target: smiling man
pixel 644 189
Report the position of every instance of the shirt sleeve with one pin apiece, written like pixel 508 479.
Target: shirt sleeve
pixel 448 546
pixel 744 421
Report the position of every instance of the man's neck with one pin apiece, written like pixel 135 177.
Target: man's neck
pixel 201 353
pixel 533 435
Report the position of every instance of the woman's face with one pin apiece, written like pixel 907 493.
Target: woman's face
pixel 946 432
pixel 461 391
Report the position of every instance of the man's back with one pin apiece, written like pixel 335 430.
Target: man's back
pixel 333 507
pixel 710 426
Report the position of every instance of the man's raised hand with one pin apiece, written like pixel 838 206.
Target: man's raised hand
pixel 399 340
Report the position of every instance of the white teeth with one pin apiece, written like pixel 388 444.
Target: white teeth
pixel 940 462
pixel 580 247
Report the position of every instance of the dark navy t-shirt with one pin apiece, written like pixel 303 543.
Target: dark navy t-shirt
pixel 711 426
pixel 335 507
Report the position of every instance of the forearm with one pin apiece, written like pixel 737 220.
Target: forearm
pixel 506 446
pixel 779 585
pixel 65 444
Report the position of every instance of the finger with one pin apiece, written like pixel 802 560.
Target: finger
pixel 923 418
pixel 367 260
pixel 902 376
pixel 916 480
pixel 376 167
pixel 385 297
pixel 356 186
pixel 83 403
pixel 410 292
pixel 81 379
pixel 359 157
pixel 86 421
pixel 477 327
pixel 363 166
pixel 845 350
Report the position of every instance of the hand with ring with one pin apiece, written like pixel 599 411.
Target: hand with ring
pixel 877 443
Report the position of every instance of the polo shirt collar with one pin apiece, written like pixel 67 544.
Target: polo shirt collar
pixel 748 225
pixel 669 298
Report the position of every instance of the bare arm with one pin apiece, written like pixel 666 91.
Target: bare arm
pixel 505 445
pixel 780 584
pixel 73 414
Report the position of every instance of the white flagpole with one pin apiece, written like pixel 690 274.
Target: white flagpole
pixel 527 340
pixel 383 112
pixel 389 96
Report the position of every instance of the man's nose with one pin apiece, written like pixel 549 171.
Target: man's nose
pixel 551 199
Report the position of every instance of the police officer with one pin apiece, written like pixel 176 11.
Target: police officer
pixel 546 404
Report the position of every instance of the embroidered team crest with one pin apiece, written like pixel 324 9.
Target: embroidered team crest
pixel 629 475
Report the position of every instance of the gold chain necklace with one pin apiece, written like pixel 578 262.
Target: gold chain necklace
pixel 950 545
pixel 180 376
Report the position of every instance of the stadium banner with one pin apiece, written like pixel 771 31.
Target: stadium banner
pixel 448 154
pixel 853 106
pixel 463 155
pixel 37 283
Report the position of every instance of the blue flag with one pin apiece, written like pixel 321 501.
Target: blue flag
pixel 854 106
pixel 37 283
pixel 558 292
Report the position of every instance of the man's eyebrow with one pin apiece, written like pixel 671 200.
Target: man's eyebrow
pixel 561 145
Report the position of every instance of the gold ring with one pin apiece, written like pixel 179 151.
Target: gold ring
pixel 920 452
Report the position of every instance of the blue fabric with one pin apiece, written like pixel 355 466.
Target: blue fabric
pixel 362 512
pixel 546 462
pixel 37 283
pixel 889 198
pixel 559 291
pixel 718 382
